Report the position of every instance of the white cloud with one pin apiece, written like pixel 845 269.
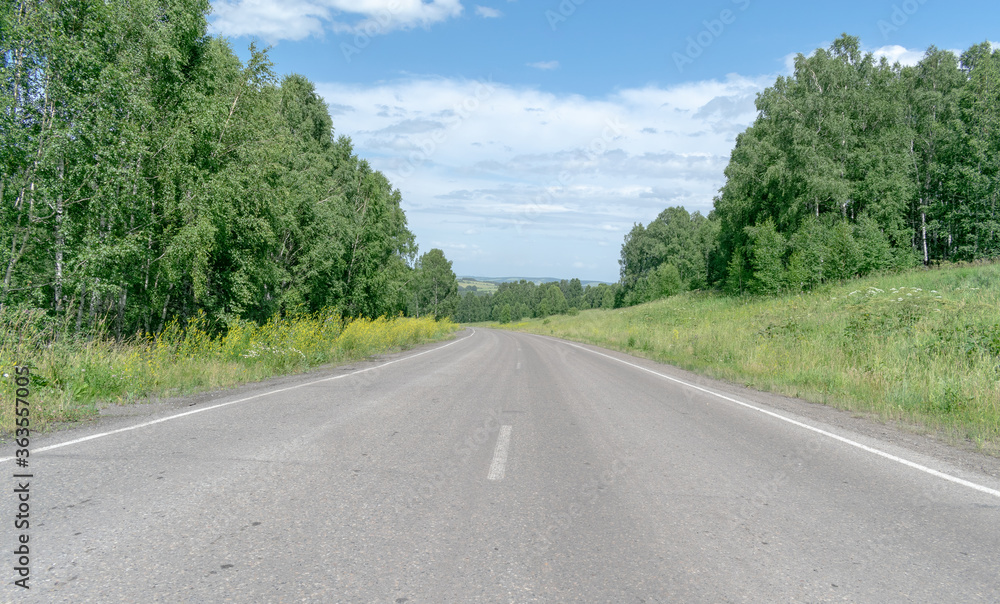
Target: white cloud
pixel 276 20
pixel 268 19
pixel 544 65
pixel 481 162
pixel 487 12
pixel 895 53
pixel 533 181
pixel 789 60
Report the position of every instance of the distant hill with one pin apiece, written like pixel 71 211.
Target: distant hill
pixel 473 284
pixel 484 285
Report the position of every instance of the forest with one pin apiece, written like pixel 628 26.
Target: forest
pixel 524 299
pixel 853 166
pixel 148 175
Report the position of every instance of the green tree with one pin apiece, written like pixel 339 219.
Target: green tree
pixel 608 298
pixel 858 165
pixel 810 260
pixel 471 309
pixel 874 251
pixel 573 292
pixel 932 88
pixel 555 299
pixel 435 286
pixel 768 248
pixel 146 173
pixel 845 253
pixel 665 281
pixel 505 313
pixel 682 240
pixel 975 172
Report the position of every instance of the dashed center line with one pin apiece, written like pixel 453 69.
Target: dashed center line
pixel 500 454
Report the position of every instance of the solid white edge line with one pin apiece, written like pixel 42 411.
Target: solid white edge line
pixel 500 454
pixel 847 441
pixel 242 400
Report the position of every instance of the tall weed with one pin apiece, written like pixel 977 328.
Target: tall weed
pixel 922 347
pixel 71 378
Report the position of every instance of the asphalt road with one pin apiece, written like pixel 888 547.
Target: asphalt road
pixel 499 467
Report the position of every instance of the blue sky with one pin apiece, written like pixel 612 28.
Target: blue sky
pixel 528 137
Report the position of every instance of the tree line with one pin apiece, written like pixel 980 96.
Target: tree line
pixel 853 166
pixel 523 299
pixel 147 174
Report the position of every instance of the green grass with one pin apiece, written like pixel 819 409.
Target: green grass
pixel 482 287
pixel 71 378
pixel 921 347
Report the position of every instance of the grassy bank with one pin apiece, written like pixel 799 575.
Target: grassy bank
pixel 921 347
pixel 71 378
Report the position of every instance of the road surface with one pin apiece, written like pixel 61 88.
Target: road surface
pixel 499 467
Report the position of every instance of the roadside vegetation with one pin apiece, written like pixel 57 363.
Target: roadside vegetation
pixel 921 347
pixel 72 377
pixel 854 166
pixel 173 219
pixel 516 300
pixel 147 175
pixel 803 278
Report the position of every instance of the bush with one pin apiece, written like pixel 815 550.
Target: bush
pixel 69 377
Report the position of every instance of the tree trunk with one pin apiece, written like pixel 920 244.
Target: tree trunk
pixel 60 239
pixel 95 299
pixel 17 249
pixel 923 228
pixel 163 315
pixel 121 315
pixel 79 310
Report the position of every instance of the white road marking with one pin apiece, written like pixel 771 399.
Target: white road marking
pixel 847 441
pixel 242 400
pixel 500 454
